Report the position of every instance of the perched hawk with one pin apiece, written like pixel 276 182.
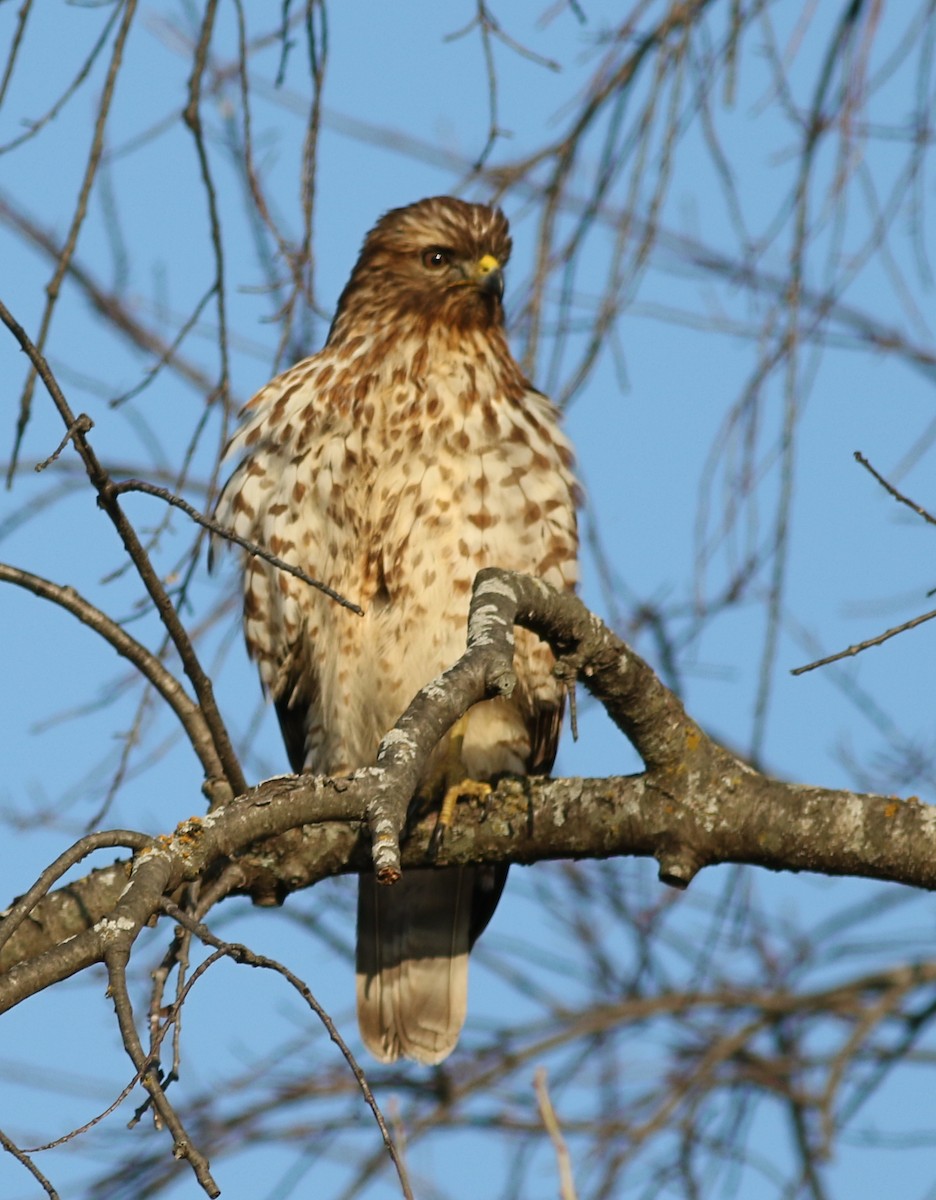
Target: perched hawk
pixel 406 455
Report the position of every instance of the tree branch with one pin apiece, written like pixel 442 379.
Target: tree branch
pixel 148 664
pixel 695 805
pixel 233 781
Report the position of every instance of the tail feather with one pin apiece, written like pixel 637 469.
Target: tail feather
pixel 413 940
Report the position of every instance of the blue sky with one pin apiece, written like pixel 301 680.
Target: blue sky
pixel 644 429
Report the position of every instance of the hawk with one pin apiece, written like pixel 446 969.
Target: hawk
pixel 406 455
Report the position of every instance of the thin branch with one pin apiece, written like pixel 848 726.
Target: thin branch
pixel 53 288
pixel 192 118
pixel 898 495
pixel 38 124
pixel 148 664
pixel 18 912
pixel 168 354
pixel 106 303
pixel 866 645
pixel 254 550
pixel 116 958
pixel 889 633
pixel 92 1121
pixel 553 1128
pixel 81 424
pixel 234 782
pixel 22 1157
pixel 242 954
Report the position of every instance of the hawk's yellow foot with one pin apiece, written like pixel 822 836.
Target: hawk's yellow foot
pixel 466 790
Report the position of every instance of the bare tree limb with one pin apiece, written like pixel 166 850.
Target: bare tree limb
pixel 554 1129
pixel 54 285
pixel 148 664
pixel 241 954
pixel 879 638
pixel 108 304
pixel 695 805
pixel 21 1156
pixel 233 782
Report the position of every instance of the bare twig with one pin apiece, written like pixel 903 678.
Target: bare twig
pixel 37 125
pixel 192 118
pixel 234 780
pixel 90 1124
pixel 161 493
pixel 889 633
pixel 106 303
pixel 866 645
pixel 168 353
pixel 147 663
pixel 116 958
pixel 553 1128
pixel 18 912
pixel 81 424
pixel 242 954
pixel 898 495
pixel 53 288
pixel 22 1157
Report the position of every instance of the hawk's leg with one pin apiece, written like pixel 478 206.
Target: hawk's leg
pixel 455 784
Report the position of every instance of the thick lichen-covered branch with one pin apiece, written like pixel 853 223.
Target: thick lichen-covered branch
pixel 694 805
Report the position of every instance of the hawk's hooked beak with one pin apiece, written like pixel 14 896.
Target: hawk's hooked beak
pixel 487 275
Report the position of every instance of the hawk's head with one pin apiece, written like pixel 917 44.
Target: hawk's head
pixel 439 260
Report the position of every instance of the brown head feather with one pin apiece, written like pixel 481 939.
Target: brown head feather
pixel 394 282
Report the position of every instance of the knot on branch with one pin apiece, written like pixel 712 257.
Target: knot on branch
pixel 679 865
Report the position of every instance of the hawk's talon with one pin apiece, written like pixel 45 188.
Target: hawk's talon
pixel 467 789
pixel 436 840
pixel 566 671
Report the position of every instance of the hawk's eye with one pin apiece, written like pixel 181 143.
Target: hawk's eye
pixel 435 258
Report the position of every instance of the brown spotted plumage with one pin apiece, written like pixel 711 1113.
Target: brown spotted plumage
pixel 393 465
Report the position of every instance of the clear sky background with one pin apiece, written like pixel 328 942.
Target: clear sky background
pixel 644 428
